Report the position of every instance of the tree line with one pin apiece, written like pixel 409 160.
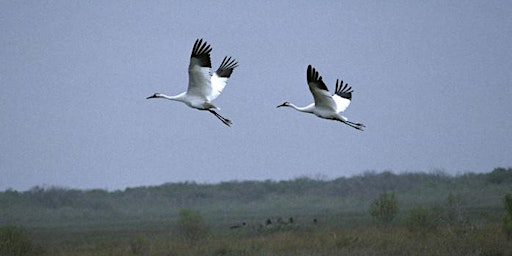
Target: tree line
pixel 170 197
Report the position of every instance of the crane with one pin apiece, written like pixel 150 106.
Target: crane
pixel 203 86
pixel 327 106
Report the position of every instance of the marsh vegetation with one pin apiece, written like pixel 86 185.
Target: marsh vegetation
pixel 370 214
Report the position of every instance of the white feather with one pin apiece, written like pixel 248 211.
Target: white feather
pixel 327 106
pixel 203 87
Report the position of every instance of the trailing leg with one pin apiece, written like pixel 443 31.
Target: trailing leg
pixel 223 119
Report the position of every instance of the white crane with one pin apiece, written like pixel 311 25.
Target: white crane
pixel 203 86
pixel 326 105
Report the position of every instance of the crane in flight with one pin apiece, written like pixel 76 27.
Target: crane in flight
pixel 203 86
pixel 327 106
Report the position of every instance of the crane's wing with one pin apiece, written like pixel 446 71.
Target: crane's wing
pixel 199 70
pixel 321 95
pixel 342 96
pixel 220 77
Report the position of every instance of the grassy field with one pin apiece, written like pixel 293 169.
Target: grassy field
pixel 395 240
pixel 436 214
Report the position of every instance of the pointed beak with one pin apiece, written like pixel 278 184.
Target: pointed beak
pixel 280 106
pixel 150 97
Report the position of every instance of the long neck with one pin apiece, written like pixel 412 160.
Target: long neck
pixel 178 97
pixel 307 109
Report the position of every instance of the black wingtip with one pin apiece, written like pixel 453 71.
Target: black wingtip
pixel 226 67
pixel 201 47
pixel 201 51
pixel 313 75
pixel 343 90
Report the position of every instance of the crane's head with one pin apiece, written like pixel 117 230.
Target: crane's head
pixel 156 95
pixel 285 104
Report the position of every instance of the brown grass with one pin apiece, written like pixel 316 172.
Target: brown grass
pixel 485 240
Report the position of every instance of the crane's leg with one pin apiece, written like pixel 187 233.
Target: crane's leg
pixel 357 126
pixel 223 119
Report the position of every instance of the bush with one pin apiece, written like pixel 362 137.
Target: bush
pixel 140 245
pixel 507 220
pixel 500 175
pixel 191 226
pixel 385 208
pixel 14 241
pixel 454 212
pixel 423 219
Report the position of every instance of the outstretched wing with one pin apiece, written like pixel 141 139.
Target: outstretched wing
pixel 342 96
pixel 321 95
pixel 220 77
pixel 199 69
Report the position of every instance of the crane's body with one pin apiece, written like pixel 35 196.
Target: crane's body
pixel 203 86
pixel 325 105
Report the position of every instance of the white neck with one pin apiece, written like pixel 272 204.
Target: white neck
pixel 307 109
pixel 179 97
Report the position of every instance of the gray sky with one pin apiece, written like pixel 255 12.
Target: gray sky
pixel 432 82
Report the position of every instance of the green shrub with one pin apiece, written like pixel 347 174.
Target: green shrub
pixel 14 241
pixel 455 212
pixel 507 219
pixel 140 245
pixel 191 226
pixel 385 208
pixel 422 219
pixel 500 175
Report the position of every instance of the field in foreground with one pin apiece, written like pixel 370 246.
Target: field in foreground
pixel 436 214
pixel 485 240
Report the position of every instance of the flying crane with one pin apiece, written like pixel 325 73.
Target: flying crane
pixel 203 86
pixel 327 106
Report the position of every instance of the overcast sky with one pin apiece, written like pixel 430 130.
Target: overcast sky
pixel 432 83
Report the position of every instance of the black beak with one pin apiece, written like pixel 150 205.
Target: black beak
pixel 150 97
pixel 280 105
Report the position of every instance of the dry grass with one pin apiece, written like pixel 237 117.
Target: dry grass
pixel 485 240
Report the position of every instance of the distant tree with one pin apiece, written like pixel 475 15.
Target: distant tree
pixel 10 197
pixel 500 175
pixel 191 226
pixel 385 208
pixel 507 219
pixel 54 197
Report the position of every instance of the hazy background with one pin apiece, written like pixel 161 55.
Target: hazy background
pixel 432 82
